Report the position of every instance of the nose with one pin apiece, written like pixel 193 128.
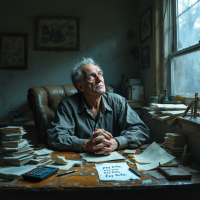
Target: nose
pixel 99 78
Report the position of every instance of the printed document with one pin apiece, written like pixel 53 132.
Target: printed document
pixel 115 172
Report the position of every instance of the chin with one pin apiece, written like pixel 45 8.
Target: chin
pixel 101 90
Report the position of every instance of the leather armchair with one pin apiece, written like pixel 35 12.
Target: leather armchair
pixel 44 100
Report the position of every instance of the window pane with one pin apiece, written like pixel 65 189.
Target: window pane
pixel 186 74
pixel 184 4
pixel 188 27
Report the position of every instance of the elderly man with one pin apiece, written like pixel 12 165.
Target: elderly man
pixel 94 120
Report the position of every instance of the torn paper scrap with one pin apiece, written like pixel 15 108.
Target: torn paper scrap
pixel 127 151
pixel 60 160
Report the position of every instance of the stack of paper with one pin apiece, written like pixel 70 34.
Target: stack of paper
pixel 152 157
pixel 16 151
pixel 41 156
pixel 160 107
pixel 11 173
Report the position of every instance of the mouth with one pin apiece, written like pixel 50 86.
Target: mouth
pixel 100 85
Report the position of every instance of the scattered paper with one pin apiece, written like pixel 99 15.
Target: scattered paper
pixel 130 161
pixel 114 172
pixel 70 164
pixel 150 154
pixel 89 157
pixel 127 151
pixel 151 158
pixel 154 174
pixel 42 152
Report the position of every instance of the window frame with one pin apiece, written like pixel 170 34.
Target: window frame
pixel 176 53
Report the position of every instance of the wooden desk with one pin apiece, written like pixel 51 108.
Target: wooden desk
pixel 85 184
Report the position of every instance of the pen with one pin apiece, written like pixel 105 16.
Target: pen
pixel 63 173
pixel 133 171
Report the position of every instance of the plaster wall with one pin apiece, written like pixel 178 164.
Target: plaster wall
pixel 103 30
pixel 147 74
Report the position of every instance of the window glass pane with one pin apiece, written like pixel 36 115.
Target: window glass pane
pixel 188 27
pixel 186 74
pixel 184 4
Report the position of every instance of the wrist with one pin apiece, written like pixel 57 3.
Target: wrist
pixel 115 143
pixel 84 146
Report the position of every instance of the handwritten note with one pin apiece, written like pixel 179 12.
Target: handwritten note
pixel 114 172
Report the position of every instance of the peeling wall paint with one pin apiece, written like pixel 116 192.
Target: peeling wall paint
pixel 103 28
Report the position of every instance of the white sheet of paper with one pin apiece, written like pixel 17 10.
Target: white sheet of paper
pixel 64 167
pixel 42 152
pixel 127 151
pixel 114 172
pixel 165 158
pixel 89 157
pixel 150 154
pixel 16 171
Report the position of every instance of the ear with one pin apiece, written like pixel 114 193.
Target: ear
pixel 80 87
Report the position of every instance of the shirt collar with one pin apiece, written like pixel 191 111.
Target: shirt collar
pixel 105 104
pixel 83 105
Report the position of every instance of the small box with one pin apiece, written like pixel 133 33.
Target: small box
pixel 138 92
pixel 134 81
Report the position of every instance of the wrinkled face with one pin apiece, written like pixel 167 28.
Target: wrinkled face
pixel 93 80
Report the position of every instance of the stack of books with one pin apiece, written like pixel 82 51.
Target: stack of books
pixel 174 143
pixel 15 150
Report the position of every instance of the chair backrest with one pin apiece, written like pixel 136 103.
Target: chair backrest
pixel 44 100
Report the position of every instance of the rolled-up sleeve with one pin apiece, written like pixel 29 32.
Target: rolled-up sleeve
pixel 61 131
pixel 134 132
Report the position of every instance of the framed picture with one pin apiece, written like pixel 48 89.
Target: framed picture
pixel 13 51
pixel 146 25
pixel 57 33
pixel 145 54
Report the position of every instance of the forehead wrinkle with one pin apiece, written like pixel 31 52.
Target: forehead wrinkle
pixel 93 73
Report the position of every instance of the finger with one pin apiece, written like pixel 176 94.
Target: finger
pixel 98 131
pixel 104 151
pixel 101 139
pixel 101 136
pixel 102 145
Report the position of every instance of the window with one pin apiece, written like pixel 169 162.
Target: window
pixel 185 60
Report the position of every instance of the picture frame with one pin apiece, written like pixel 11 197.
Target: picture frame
pixel 57 33
pixel 146 25
pixel 145 56
pixel 13 51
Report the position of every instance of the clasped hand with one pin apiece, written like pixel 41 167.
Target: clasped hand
pixel 102 143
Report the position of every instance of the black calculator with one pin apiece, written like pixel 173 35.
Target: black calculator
pixel 40 173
